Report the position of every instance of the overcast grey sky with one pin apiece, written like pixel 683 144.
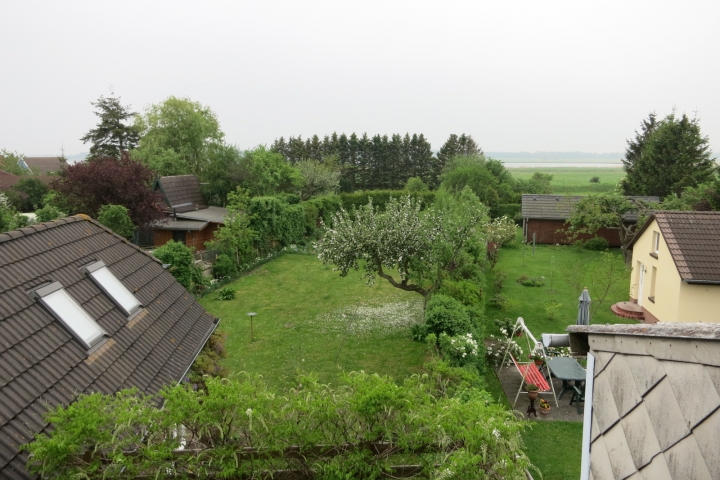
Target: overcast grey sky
pixel 517 75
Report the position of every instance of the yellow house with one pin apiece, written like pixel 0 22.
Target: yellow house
pixel 676 267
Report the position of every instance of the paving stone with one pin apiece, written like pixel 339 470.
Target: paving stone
pixel 657 469
pixel 706 435
pixel 685 460
pixel 618 451
pixel 600 461
pixel 665 415
pixel 604 408
pixel 622 385
pixel 640 436
pixel 693 389
pixel 646 370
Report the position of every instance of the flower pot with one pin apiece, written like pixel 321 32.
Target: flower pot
pixel 533 395
pixel 544 411
pixel 539 362
pixel 519 333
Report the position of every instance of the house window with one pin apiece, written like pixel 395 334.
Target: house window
pixel 72 315
pixel 110 284
pixel 656 242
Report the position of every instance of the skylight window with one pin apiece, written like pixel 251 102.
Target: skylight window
pixel 62 305
pixel 110 284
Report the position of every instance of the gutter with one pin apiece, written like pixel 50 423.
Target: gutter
pixel 197 353
pixel 702 282
pixel 587 418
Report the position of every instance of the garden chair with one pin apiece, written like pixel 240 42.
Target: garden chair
pixel 530 373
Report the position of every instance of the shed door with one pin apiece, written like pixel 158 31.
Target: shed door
pixel 179 236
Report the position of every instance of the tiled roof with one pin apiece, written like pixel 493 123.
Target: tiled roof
pixel 44 164
pixel 43 364
pixel 171 224
pixel 559 207
pixel 181 192
pixel 693 239
pixel 7 180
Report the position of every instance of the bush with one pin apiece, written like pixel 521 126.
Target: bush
pixel 226 293
pixel 551 308
pixel 224 266
pixel 416 184
pixel 116 218
pixel 446 315
pixel 460 350
pixel 595 180
pixel 596 244
pixel 533 282
pixel 466 291
pixel 182 264
pixel 500 278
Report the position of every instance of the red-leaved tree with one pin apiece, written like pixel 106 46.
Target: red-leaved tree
pixel 87 186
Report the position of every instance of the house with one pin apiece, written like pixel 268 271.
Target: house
pixel 7 180
pixel 676 268
pixel 43 165
pixel 82 310
pixel 188 219
pixel 652 400
pixel 544 216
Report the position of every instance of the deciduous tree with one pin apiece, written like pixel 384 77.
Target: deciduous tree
pixel 117 219
pixel 86 186
pixel 318 177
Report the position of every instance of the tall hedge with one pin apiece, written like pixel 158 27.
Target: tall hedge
pixel 276 223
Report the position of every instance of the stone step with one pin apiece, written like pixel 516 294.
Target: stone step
pixel 628 310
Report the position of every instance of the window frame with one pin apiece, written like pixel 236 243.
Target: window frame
pixel 46 290
pixel 99 265
pixel 656 242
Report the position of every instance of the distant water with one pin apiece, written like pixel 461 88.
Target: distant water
pixel 560 164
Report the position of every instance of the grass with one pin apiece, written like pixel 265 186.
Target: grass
pixel 575 180
pixel 310 318
pixel 555 448
pixel 556 264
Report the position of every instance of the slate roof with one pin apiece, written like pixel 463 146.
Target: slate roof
pixel 181 192
pixel 693 239
pixel 44 164
pixel 43 364
pixel 559 207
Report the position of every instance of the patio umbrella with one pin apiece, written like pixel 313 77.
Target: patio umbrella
pixel 583 317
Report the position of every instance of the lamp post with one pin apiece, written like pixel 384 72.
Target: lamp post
pixel 251 315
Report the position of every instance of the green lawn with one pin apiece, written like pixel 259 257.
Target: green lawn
pixel 557 264
pixel 575 180
pixel 555 448
pixel 310 318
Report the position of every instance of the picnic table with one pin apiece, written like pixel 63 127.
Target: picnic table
pixel 568 370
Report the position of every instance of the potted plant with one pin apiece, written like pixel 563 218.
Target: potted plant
pixel 544 407
pixel 537 358
pixel 532 390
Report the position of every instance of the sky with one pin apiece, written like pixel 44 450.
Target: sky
pixel 516 75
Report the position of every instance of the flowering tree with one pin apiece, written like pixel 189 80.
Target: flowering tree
pixel 421 246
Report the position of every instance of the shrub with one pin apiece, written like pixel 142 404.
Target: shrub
pixel 446 315
pixel 460 350
pixel 465 291
pixel 595 180
pixel 226 293
pixel 551 308
pixel 182 264
pixel 416 184
pixel 533 282
pixel 117 219
pixel 224 266
pixel 500 300
pixel 495 352
pixel 505 325
pixel 596 244
pixel 522 278
pixel 500 278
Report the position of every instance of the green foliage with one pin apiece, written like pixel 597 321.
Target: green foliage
pixel 10 219
pixel 136 436
pixel 551 308
pixel 48 213
pixel 276 223
pixel 182 264
pixel 501 230
pixel 380 198
pixel 209 361
pixel 264 172
pixel 487 178
pixel 445 314
pixel 466 291
pixel 27 195
pixel 111 137
pixel 415 184
pixel 596 244
pixel 705 196
pixel 500 301
pixel 224 266
pixel 226 293
pixel 461 350
pixel 595 179
pixel 500 278
pixel 116 218
pixel 319 177
pixel 667 156
pixel 234 239
pixel 12 162
pixel 531 282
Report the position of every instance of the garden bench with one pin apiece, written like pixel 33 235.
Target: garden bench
pixel 531 374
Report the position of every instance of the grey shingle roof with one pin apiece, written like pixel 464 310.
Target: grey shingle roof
pixel 209 214
pixel 181 192
pixel 693 239
pixel 188 225
pixel 44 164
pixel 42 363
pixel 559 207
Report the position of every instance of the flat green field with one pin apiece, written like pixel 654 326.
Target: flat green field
pixel 555 448
pixel 575 180
pixel 310 318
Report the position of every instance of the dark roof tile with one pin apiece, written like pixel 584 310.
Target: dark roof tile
pixel 559 207
pixel 43 363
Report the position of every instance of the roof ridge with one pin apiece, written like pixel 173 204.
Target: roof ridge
pixel 80 217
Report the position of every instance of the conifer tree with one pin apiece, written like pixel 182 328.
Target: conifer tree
pixel 112 136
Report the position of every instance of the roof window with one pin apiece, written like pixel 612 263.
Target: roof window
pixel 72 315
pixel 110 284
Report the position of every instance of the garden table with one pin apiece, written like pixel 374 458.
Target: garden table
pixel 566 369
